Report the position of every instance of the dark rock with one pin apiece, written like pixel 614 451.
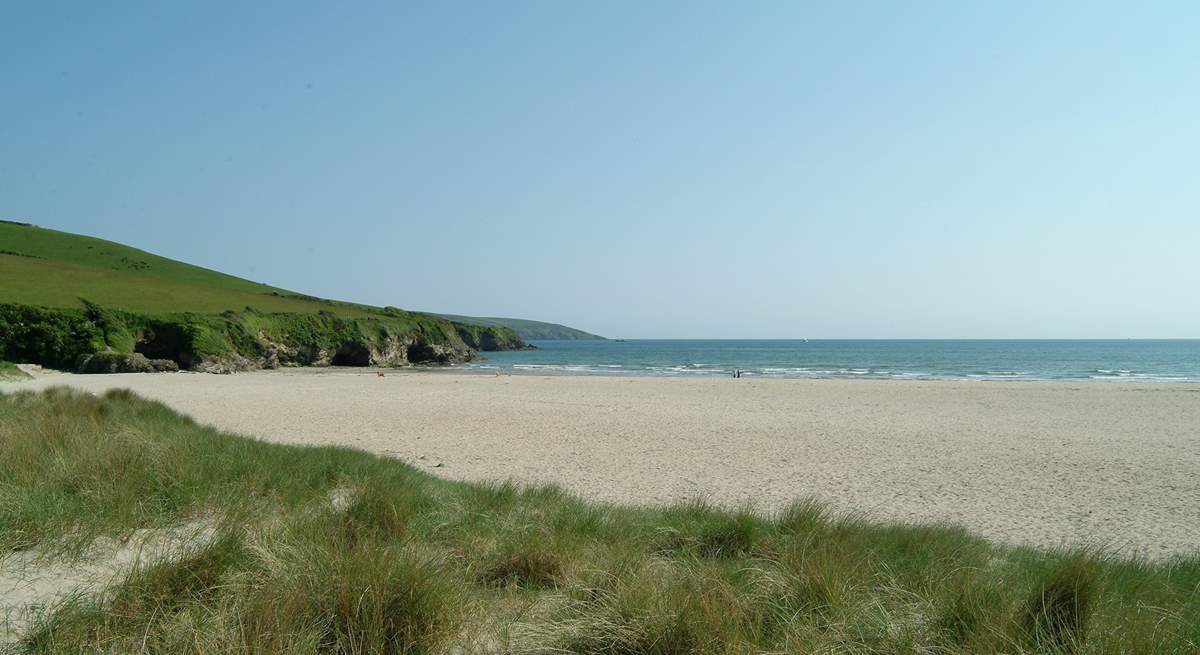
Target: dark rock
pixel 226 363
pixel 123 363
pixel 164 366
pixel 421 352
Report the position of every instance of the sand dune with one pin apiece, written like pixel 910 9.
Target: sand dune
pixel 1046 464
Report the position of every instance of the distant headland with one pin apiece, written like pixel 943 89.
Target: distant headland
pixel 75 302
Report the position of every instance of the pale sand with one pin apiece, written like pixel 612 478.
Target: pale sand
pixel 1046 464
pixel 34 582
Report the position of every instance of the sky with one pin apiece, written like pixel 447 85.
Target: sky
pixel 636 169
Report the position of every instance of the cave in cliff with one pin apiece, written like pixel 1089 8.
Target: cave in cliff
pixel 163 341
pixel 352 354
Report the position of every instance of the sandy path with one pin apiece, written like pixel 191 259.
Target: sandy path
pixel 34 583
pixel 1035 463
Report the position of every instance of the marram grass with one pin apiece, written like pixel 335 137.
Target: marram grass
pixel 407 563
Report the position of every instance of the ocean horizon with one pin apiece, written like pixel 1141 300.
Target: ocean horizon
pixel 1100 360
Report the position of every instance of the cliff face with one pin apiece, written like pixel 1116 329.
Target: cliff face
pixel 236 341
pixel 490 338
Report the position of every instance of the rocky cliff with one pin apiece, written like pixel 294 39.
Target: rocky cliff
pixel 234 341
pixel 490 337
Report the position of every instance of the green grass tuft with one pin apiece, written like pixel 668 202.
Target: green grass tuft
pixel 701 530
pixel 1056 615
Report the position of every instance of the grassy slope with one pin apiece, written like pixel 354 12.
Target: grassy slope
pixel 528 330
pixel 56 269
pixel 98 253
pixel 48 283
pixel 418 564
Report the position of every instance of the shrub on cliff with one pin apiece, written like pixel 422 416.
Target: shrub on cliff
pixel 50 337
pixel 234 340
pixel 489 338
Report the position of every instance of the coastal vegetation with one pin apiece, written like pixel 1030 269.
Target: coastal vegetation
pixel 335 550
pixel 65 297
pixel 238 340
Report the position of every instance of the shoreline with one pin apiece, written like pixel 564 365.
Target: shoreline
pixel 934 359
pixel 472 369
pixel 1040 463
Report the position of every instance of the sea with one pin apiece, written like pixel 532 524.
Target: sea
pixel 1127 360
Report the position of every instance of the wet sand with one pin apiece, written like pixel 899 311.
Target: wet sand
pixel 1045 464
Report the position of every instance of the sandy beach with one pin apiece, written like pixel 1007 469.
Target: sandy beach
pixel 1046 464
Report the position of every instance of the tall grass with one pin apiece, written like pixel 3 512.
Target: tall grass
pixel 400 562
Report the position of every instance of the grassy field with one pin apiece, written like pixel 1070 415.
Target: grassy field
pixel 407 563
pixel 49 268
pixel 55 246
pixel 45 283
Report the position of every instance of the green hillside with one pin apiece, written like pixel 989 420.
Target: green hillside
pixel 55 269
pixel 50 283
pixel 93 253
pixel 526 329
pixel 65 296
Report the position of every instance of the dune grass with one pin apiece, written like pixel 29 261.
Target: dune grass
pixel 407 563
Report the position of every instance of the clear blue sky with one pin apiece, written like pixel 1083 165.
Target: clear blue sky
pixel 637 169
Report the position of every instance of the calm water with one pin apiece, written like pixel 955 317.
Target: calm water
pixel 1124 360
